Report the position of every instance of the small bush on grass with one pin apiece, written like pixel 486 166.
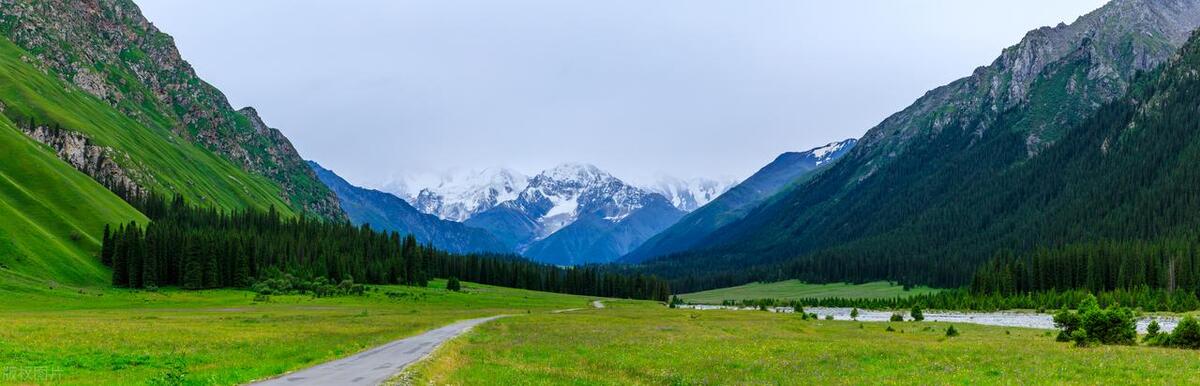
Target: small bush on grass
pixel 1152 331
pixel 1093 325
pixel 917 314
pixel 1186 335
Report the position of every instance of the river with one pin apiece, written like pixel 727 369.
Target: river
pixel 1001 318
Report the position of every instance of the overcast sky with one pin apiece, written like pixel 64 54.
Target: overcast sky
pixel 377 89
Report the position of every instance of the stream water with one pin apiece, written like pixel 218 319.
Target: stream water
pixel 1001 318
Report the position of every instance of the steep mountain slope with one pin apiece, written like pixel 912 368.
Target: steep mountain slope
pixel 787 169
pixel 971 130
pixel 691 194
pixel 108 50
pixel 1126 176
pixel 52 214
pixel 385 211
pixel 556 199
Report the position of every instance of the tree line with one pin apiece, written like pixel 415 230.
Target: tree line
pixel 1147 299
pixel 195 248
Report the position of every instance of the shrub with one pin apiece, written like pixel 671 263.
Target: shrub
pixel 916 314
pixel 1080 337
pixel 1186 334
pixel 1067 322
pixel 897 318
pixel 828 317
pixel 951 331
pixel 1152 330
pixel 454 285
pixel 890 329
pixel 1113 325
pixel 854 314
pixel 813 316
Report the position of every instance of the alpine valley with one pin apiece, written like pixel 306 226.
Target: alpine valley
pixel 1036 221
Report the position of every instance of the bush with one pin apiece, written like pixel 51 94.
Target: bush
pixel 1067 322
pixel 890 329
pixel 1152 330
pixel 854 314
pixel 454 285
pixel 897 318
pixel 828 317
pixel 1113 325
pixel 916 314
pixel 1186 335
pixel 951 331
pixel 1110 326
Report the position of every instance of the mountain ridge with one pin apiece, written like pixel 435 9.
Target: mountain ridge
pixel 971 129
pixel 786 169
pixel 387 212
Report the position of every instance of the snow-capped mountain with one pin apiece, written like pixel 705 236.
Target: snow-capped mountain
pixel 605 216
pixel 690 194
pixel 461 195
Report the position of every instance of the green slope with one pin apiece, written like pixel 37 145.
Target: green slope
pixel 43 202
pixel 170 164
pixel 53 215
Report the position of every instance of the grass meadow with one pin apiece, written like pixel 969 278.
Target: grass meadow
pixel 635 343
pixel 116 337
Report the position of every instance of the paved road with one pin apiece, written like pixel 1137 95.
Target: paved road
pixel 376 365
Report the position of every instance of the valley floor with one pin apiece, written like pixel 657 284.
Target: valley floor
pixel 52 334
pixel 82 336
pixel 632 343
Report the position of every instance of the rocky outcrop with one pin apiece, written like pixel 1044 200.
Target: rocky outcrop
pixel 1106 47
pixel 93 160
pixel 108 49
pixel 286 160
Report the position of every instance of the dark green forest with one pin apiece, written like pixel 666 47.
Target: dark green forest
pixel 196 248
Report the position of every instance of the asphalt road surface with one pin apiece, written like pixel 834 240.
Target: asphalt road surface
pixel 376 365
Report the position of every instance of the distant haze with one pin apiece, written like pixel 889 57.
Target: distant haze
pixel 379 89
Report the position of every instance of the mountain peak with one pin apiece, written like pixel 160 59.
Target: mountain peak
pixel 577 172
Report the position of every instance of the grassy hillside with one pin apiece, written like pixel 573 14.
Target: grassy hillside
pixel 53 214
pixel 110 51
pixel 795 289
pixel 117 337
pixel 168 163
pixel 640 344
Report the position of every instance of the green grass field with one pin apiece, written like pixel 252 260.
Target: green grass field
pixel 635 343
pixel 94 336
pixel 794 289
